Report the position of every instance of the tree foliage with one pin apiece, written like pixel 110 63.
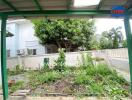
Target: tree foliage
pixel 64 33
pixel 111 39
pixel 94 43
pixel 124 43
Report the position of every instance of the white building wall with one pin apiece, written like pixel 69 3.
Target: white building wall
pixel 11 42
pixel 27 38
pixel 23 38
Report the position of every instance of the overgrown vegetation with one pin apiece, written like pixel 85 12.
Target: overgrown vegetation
pixel 17 70
pixel 60 62
pixel 87 80
pixel 86 60
pixel 37 78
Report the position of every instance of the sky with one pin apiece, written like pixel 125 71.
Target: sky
pixel 106 24
pixel 102 24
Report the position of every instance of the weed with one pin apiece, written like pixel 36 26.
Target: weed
pixel 100 80
pixel 95 89
pixel 41 78
pixel 86 60
pixel 60 62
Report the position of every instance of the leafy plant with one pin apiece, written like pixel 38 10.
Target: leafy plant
pixel 41 78
pixel 60 62
pixel 124 43
pixel 95 89
pixel 87 60
pixel 103 69
pixel 45 67
pixel 83 79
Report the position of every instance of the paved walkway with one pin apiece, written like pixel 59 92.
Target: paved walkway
pixel 14 98
pixel 57 98
pixel 121 66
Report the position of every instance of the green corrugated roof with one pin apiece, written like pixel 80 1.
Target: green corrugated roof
pixel 57 7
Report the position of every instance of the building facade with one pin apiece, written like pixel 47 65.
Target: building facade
pixel 23 42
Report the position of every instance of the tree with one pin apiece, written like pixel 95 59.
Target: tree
pixel 124 43
pixel 94 44
pixel 114 37
pixel 64 33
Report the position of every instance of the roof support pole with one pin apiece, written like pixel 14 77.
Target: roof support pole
pixel 129 43
pixel 38 4
pixel 3 58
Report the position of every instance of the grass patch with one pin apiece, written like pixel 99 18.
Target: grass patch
pixel 39 78
pixel 100 80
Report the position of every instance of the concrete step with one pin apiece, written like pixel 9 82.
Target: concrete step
pixel 21 93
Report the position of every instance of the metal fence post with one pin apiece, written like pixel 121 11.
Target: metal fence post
pixel 129 44
pixel 3 58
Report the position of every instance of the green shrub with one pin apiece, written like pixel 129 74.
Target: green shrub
pixel 95 89
pixel 37 78
pixel 60 62
pixel 45 67
pixel 103 69
pixel 86 60
pixel 82 79
pixel 91 71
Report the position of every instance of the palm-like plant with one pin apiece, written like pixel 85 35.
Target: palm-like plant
pixel 114 34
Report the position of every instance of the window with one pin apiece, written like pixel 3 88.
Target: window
pixel 82 3
pixel 48 50
pixel 8 53
pixel 31 51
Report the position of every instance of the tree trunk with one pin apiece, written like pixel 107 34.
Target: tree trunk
pixel 58 44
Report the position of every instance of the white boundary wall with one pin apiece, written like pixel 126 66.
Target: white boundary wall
pixel 35 62
pixel 72 58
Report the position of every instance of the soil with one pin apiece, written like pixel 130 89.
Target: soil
pixel 61 87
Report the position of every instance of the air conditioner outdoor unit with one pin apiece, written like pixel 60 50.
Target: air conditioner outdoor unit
pixel 20 52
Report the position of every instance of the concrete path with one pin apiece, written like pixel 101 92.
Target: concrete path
pixel 58 98
pixel 14 98
pixel 121 66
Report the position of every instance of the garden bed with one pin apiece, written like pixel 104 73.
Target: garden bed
pixel 96 80
pixel 87 80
